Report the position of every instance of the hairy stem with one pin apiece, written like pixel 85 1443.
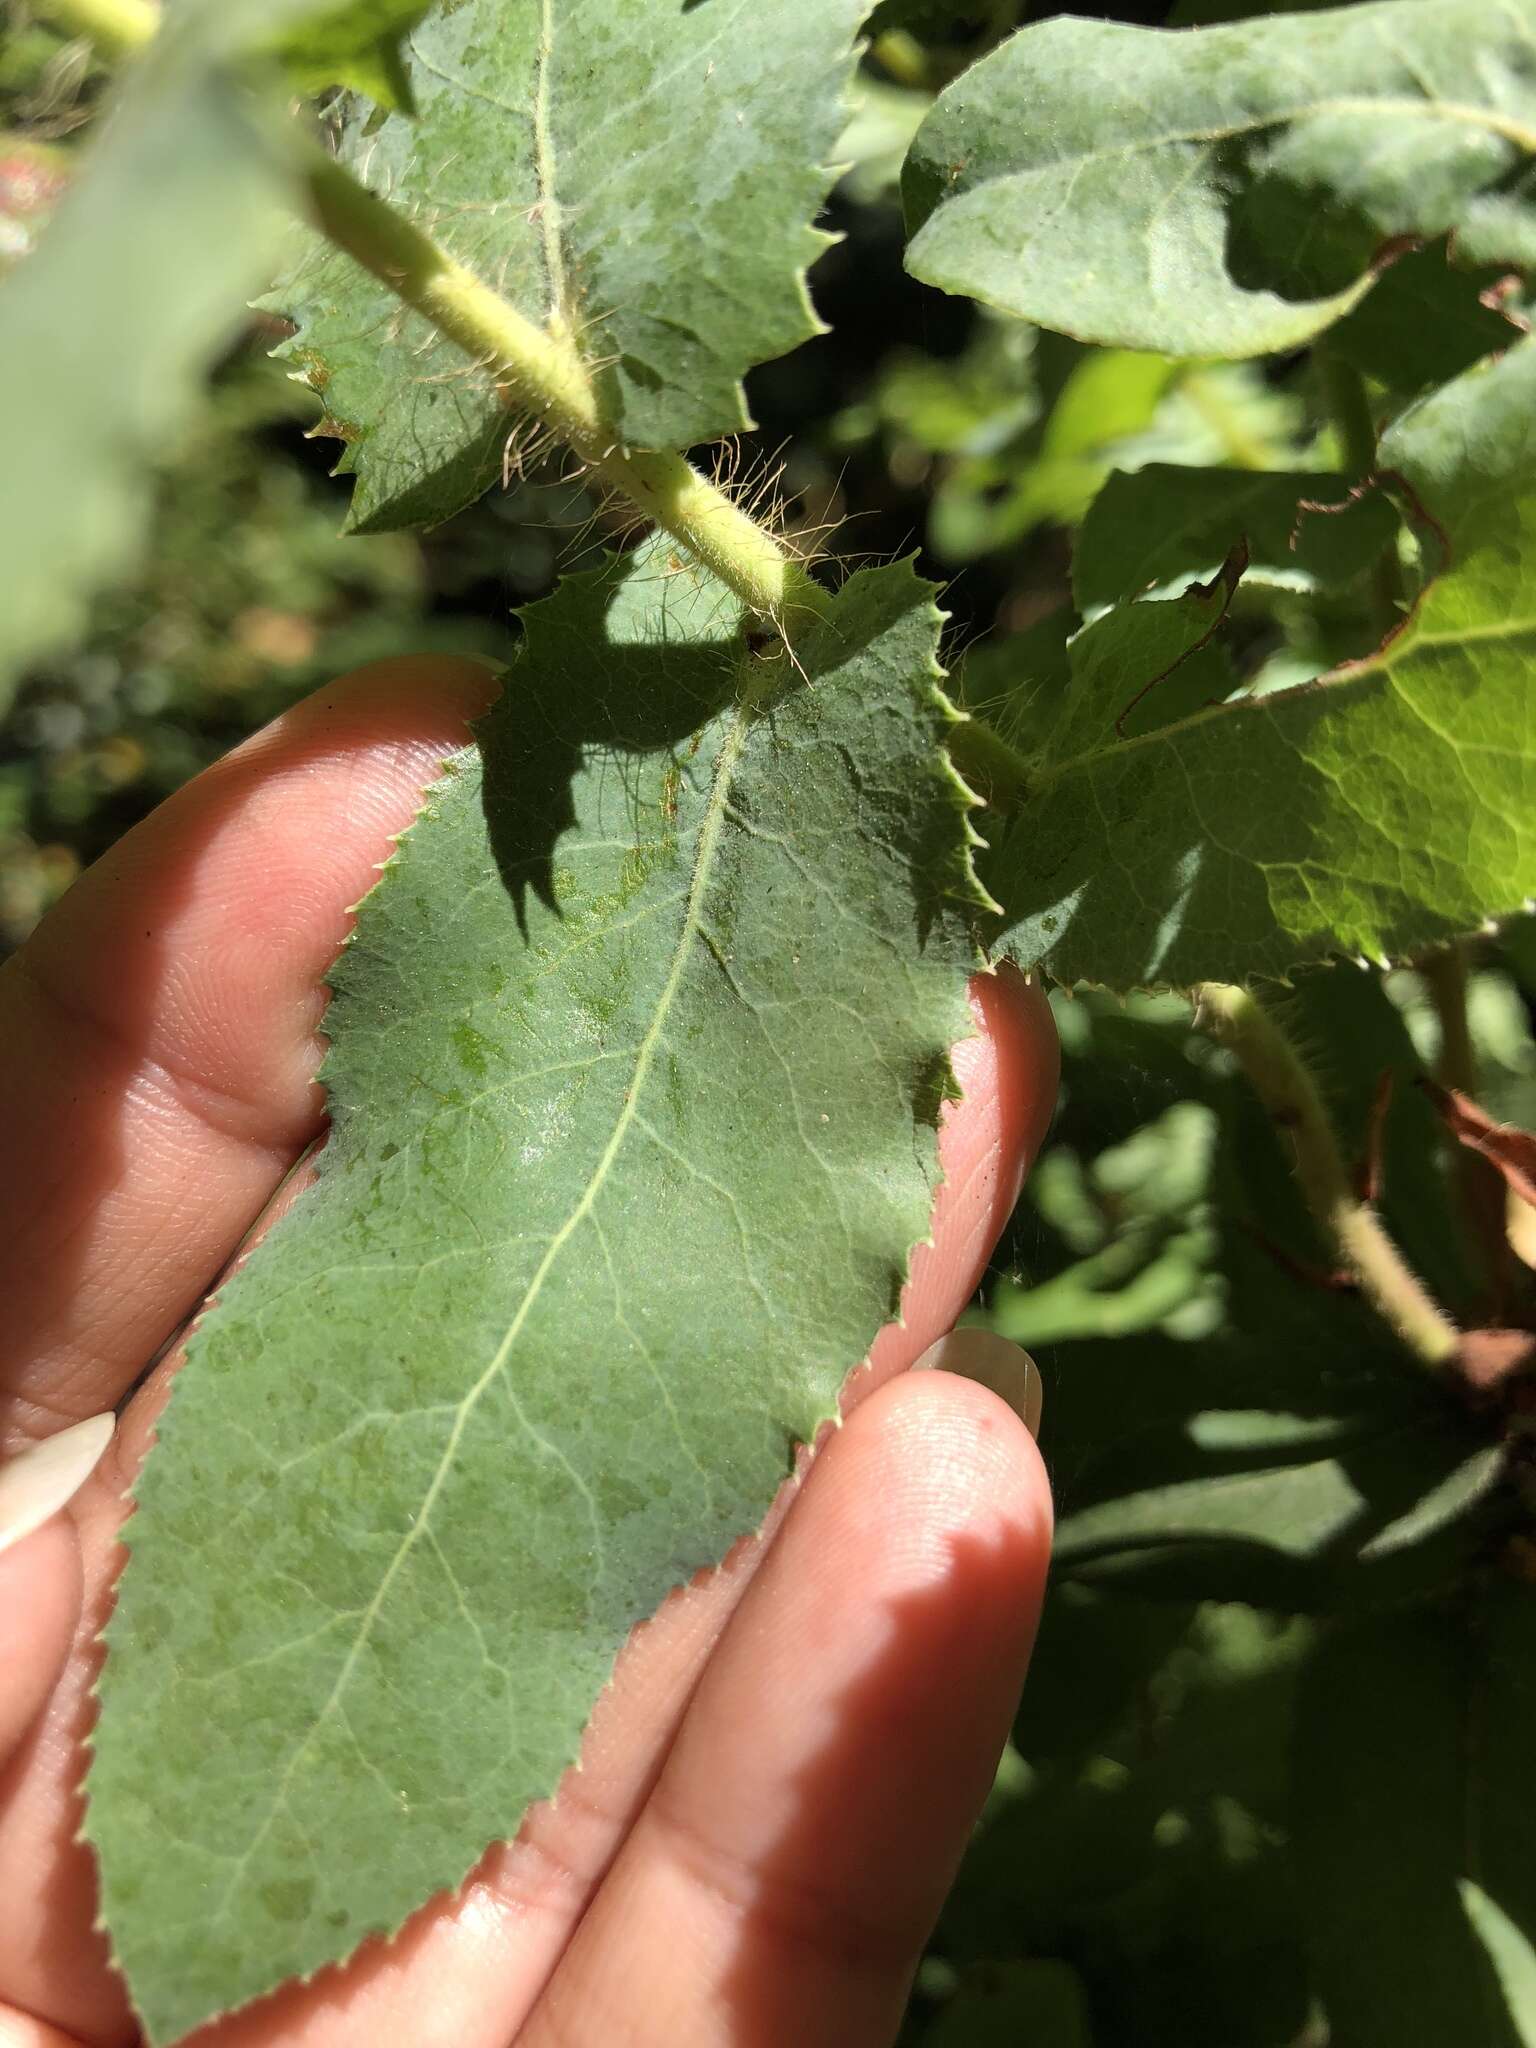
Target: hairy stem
pixel 542 373
pixel 114 26
pixel 1237 1020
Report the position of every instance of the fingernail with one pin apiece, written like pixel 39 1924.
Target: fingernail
pixel 46 1478
pixel 993 1362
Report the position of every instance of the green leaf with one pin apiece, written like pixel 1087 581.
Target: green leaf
pixel 1143 665
pixel 1264 1438
pixel 1161 527
pixel 639 175
pixel 1232 186
pixel 355 43
pixel 1420 1707
pixel 1402 1144
pixel 1391 806
pixel 1154 1856
pixel 1423 323
pixel 113 320
pixel 636 1056
pixel 1511 1954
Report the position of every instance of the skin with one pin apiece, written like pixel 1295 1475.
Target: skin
pixel 774 1792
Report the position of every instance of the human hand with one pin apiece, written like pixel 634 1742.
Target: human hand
pixel 776 1788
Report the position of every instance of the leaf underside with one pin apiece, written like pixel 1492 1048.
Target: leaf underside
pixel 637 1053
pixel 1390 806
pixel 640 175
pixel 1237 186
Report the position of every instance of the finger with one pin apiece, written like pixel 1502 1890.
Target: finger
pixel 784 1874
pixel 40 1582
pixel 1008 1074
pixel 466 1971
pixel 160 1029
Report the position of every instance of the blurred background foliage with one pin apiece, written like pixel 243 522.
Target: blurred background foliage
pixel 1266 1513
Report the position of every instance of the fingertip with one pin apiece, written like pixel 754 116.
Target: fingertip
pixel 946 1454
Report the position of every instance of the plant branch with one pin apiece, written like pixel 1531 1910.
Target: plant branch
pixel 1237 1020
pixel 544 374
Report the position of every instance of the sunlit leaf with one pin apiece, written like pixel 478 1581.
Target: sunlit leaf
pixel 1224 191
pixel 1387 807
pixel 636 1056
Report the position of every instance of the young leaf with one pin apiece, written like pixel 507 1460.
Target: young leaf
pixel 1150 531
pixel 636 1054
pixel 1234 185
pixel 172 222
pixel 639 176
pixel 1385 808
pixel 356 43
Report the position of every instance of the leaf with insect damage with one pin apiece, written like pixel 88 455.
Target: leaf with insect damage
pixel 1225 191
pixel 636 1058
pixel 1387 807
pixel 639 176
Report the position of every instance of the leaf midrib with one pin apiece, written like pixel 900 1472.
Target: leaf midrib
pixel 544 175
pixel 716 808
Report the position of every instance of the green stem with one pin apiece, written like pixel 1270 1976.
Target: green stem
pixel 543 374
pixel 116 27
pixel 1237 1020
pixel 1347 404
pixel 537 371
pixel 1343 394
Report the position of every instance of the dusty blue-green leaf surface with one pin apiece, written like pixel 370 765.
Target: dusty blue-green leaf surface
pixel 1225 191
pixel 1384 808
pixel 640 175
pixel 636 1055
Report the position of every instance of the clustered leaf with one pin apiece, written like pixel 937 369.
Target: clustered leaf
pixel 1229 191
pixel 1385 808
pixel 636 1057
pixel 639 177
